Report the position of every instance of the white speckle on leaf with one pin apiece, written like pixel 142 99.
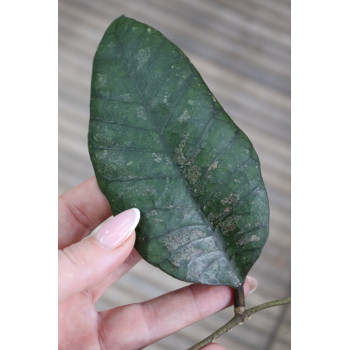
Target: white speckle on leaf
pixel 254 238
pixel 142 57
pixel 101 79
pixel 191 250
pixel 249 239
pixel 179 151
pixel 157 157
pixel 140 113
pixel 165 99
pixel 102 155
pixel 184 117
pixel 125 97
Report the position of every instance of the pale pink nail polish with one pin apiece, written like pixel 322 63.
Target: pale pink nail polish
pixel 115 231
pixel 253 284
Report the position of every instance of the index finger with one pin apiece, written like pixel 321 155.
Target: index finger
pixel 157 318
pixel 80 210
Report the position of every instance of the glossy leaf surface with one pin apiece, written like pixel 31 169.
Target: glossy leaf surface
pixel 161 142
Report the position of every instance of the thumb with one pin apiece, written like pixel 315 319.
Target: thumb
pixel 84 264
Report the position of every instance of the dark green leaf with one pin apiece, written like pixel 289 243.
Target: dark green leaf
pixel 160 141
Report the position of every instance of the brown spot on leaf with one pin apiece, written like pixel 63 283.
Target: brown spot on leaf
pixel 213 166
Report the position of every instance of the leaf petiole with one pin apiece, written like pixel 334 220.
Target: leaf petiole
pixel 239 300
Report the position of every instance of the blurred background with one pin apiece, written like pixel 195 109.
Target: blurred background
pixel 242 50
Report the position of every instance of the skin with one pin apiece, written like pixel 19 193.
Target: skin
pixel 86 270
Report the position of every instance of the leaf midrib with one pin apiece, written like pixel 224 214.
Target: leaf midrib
pixel 219 240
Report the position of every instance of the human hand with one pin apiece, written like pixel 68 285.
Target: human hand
pixel 87 267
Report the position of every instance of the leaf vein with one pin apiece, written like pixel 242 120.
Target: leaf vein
pixel 249 194
pixel 163 78
pixel 184 246
pixel 255 228
pixel 177 229
pixel 121 124
pixel 170 208
pixel 177 100
pixel 154 61
pixel 202 138
pixel 96 95
pixel 125 149
pixel 146 178
pixel 215 191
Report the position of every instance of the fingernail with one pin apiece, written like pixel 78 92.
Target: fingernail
pixel 253 284
pixel 118 229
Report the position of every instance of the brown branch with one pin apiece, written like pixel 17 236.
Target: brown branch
pixel 239 318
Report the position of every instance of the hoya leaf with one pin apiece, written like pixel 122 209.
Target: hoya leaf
pixel 160 141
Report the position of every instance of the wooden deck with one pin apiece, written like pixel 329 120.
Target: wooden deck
pixel 242 50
